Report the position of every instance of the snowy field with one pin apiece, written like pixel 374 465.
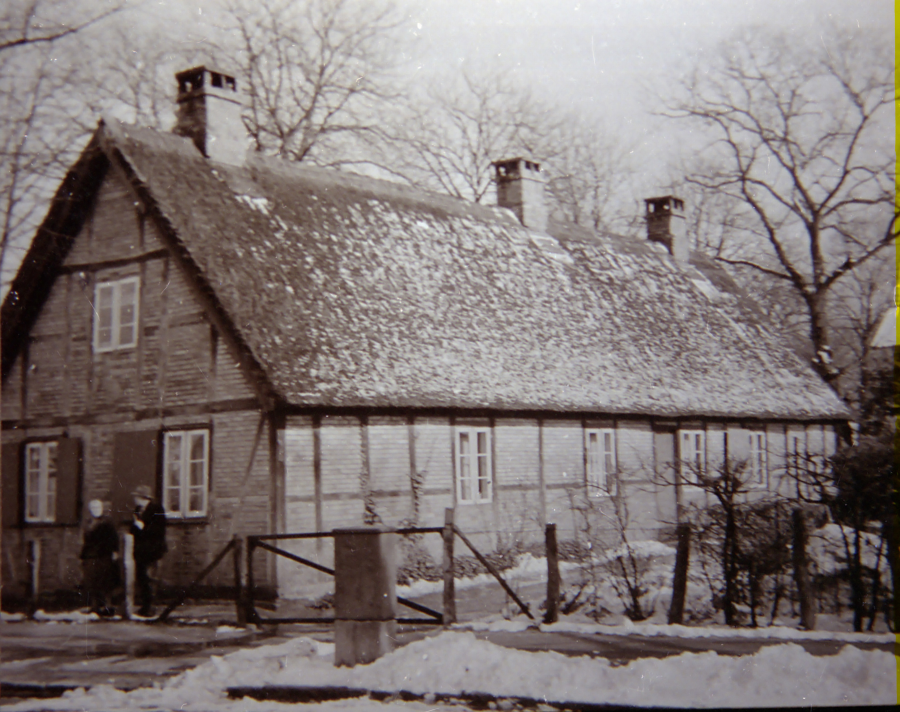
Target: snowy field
pixel 455 662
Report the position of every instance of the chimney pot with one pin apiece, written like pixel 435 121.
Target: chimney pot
pixel 209 113
pixel 666 225
pixel 520 187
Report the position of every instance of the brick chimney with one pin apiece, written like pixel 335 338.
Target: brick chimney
pixel 520 187
pixel 209 113
pixel 666 225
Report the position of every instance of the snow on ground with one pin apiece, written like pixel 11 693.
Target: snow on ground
pixel 585 626
pixel 66 617
pixel 528 567
pixel 827 549
pixel 457 662
pixel 682 631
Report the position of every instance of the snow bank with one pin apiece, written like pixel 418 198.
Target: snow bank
pixel 826 549
pixel 529 567
pixel 66 617
pixel 457 662
pixel 629 628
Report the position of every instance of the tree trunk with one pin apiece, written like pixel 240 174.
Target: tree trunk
pixel 889 533
pixel 822 360
pixel 857 585
pixel 755 585
pixel 729 568
pixel 801 573
pixel 679 578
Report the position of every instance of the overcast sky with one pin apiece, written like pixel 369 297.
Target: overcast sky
pixel 597 56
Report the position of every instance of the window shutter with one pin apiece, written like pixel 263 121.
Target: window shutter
pixel 68 481
pixel 135 459
pixel 12 485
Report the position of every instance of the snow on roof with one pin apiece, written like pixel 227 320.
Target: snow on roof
pixel 351 291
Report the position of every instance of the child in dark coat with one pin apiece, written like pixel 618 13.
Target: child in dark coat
pixel 100 560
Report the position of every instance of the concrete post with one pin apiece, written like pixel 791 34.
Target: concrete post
pixel 365 594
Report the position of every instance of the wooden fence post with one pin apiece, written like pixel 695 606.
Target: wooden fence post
pixel 449 584
pixel 552 574
pixel 801 572
pixel 128 563
pixel 248 594
pixel 679 577
pixel 237 558
pixel 34 575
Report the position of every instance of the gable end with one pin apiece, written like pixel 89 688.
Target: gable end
pixel 69 209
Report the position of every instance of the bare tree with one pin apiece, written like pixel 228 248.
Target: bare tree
pixel 133 78
pixel 448 136
pixel 858 485
pixel 39 22
pixel 45 118
pixel 316 73
pixel 589 174
pixel 856 306
pixel 804 143
pixel 44 127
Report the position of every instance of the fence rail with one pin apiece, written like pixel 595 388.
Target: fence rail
pixel 244 593
pixel 235 546
pixel 259 542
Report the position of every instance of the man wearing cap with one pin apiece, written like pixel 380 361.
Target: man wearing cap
pixel 149 531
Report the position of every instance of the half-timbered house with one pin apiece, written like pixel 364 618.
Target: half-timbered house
pixel 274 347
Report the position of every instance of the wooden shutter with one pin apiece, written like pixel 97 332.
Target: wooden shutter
pixel 12 484
pixel 135 462
pixel 68 481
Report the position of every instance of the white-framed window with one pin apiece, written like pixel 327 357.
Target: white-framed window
pixel 757 461
pixel 116 314
pixel 186 473
pixel 474 481
pixel 692 454
pixel 40 482
pixel 600 460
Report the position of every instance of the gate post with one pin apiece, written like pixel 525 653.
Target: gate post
pixel 365 594
pixel 552 551
pixel 34 575
pixel 240 606
pixel 449 582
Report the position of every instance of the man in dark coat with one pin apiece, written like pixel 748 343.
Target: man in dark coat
pixel 149 531
pixel 100 560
